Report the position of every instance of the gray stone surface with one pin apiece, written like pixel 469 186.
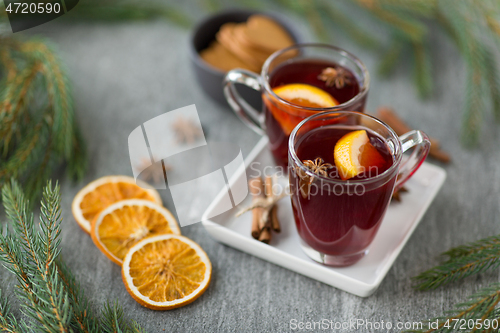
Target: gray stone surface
pixel 125 74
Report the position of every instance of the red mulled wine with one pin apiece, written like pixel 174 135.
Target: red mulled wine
pixel 336 217
pixel 281 118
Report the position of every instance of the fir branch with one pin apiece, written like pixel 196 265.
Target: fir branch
pixel 424 8
pixel 22 221
pixel 39 132
pixel 47 302
pixel 313 16
pixel 50 222
pixel 13 260
pixel 405 24
pixel 391 56
pixel 107 11
pixel 422 70
pixel 352 29
pixel 35 180
pixel 490 243
pixel 113 318
pixel 78 163
pixel 8 322
pixel 51 296
pixel 83 316
pixel 212 5
pixel 492 74
pixel 57 91
pixel 474 106
pixel 481 308
pixel 136 328
pixel 463 261
pixel 114 321
pixel 10 66
pixel 13 101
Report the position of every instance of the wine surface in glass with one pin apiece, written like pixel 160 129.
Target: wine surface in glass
pixel 280 119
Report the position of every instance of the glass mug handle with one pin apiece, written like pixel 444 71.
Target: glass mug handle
pixel 251 117
pixel 413 139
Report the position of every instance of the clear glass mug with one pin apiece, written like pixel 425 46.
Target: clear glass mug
pixel 338 219
pixel 278 117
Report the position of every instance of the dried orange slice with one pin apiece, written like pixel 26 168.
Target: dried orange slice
pixel 354 154
pixel 166 272
pixel 101 193
pixel 123 224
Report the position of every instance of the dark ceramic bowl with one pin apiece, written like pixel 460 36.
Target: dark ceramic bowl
pixel 210 78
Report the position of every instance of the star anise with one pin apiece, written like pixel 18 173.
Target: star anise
pixel 335 76
pixel 318 166
pixel 186 131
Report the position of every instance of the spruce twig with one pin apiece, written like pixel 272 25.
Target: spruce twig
pixel 113 318
pixel 462 261
pixel 114 321
pixel 106 11
pixel 313 16
pixel 84 318
pixel 46 300
pixel 136 328
pixel 8 322
pixel 391 57
pixel 51 296
pixel 358 34
pixel 422 70
pixel 490 243
pixel 481 309
pixel 36 116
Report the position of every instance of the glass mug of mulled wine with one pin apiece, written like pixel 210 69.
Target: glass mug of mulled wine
pixel 295 83
pixel 343 169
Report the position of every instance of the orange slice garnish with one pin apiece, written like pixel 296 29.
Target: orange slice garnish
pixel 305 95
pixel 301 95
pixel 123 224
pixel 354 154
pixel 166 272
pixel 101 193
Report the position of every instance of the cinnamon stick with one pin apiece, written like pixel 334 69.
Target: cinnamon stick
pixel 265 235
pixel 257 191
pixel 388 116
pixel 273 214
